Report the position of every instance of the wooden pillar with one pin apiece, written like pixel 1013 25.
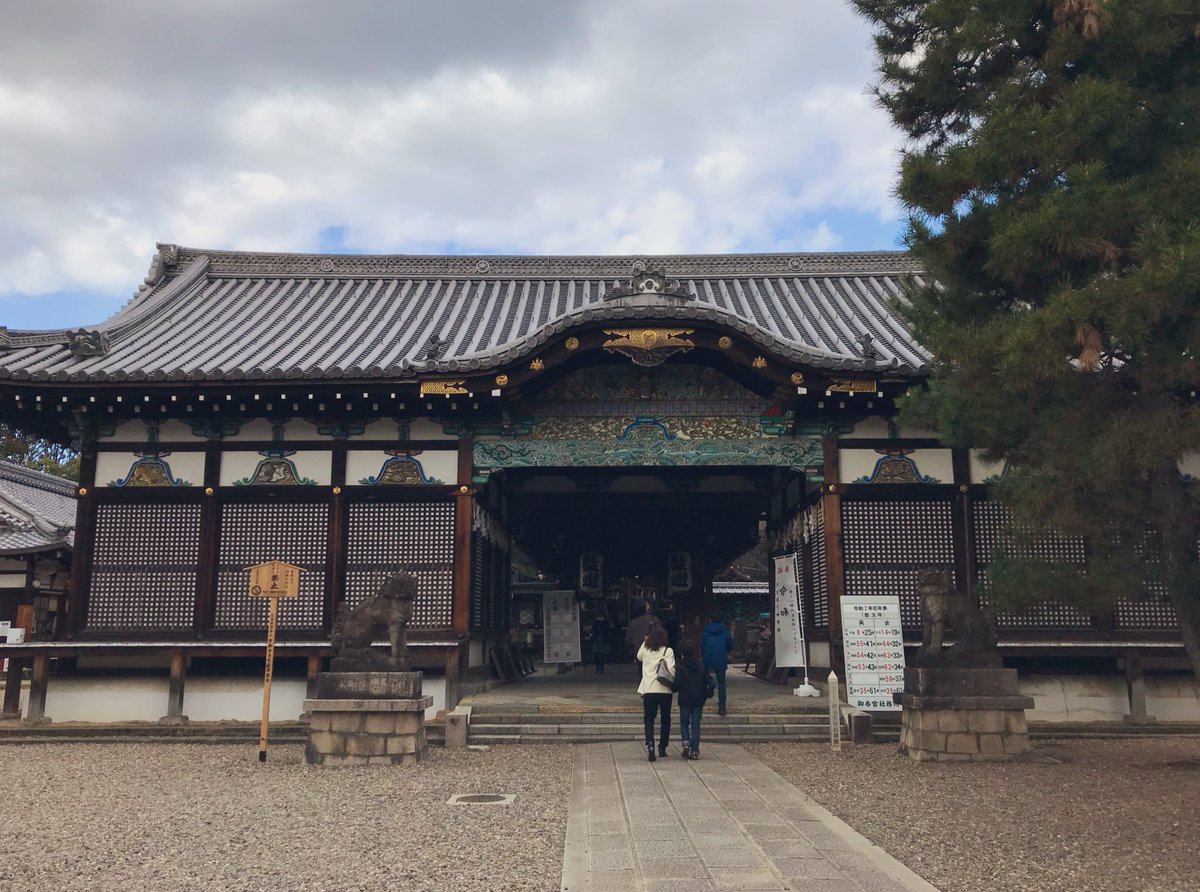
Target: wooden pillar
pixel 335 557
pixel 962 523
pixel 210 532
pixel 452 671
pixel 835 570
pixel 175 714
pixel 310 680
pixel 464 503
pixel 1135 685
pixel 85 533
pixel 37 689
pixel 12 689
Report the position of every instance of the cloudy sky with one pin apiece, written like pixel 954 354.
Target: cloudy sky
pixel 448 126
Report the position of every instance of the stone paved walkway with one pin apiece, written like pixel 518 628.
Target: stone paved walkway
pixel 723 822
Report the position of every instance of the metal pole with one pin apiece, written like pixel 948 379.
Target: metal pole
pixel 272 614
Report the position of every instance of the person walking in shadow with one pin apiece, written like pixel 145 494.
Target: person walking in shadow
pixel 601 641
pixel 695 686
pixel 656 689
pixel 715 644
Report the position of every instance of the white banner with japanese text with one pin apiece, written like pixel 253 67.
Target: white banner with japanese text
pixel 874 650
pixel 560 627
pixel 789 633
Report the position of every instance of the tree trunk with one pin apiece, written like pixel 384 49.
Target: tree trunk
pixel 1177 524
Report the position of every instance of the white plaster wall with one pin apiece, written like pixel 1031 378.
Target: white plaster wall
pixel 982 470
pixel 418 428
pixel 1190 465
pixel 317 466
pixel 1103 698
pixel 126 430
pixel 874 427
pixel 936 463
pixel 440 464
pixel 262 429
pixel 205 699
pixel 113 466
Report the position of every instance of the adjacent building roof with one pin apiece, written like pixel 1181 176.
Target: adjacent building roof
pixel 37 511
pixel 213 315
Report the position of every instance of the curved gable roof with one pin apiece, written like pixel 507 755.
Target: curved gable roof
pixel 209 315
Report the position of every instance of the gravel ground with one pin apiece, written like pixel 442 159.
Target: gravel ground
pixel 1094 815
pixel 199 817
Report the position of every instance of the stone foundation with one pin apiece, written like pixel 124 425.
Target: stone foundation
pixel 963 715
pixel 366 718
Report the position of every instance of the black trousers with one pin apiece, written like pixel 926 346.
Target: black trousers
pixel 660 703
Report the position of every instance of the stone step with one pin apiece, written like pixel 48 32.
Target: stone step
pixel 774 730
pixel 617 737
pixel 595 718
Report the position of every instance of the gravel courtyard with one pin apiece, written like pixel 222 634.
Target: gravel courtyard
pixel 1081 816
pixel 198 817
pixel 1099 816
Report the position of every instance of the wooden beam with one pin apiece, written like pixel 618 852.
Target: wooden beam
pixel 962 523
pixel 210 525
pixel 336 552
pixel 452 672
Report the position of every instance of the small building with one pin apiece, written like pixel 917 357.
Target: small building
pixel 37 522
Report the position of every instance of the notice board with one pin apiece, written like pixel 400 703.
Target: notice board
pixel 874 650
pixel 560 628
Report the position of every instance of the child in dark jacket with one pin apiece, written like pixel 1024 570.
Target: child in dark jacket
pixel 694 685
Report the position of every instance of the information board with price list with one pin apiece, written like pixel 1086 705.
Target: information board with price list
pixel 874 650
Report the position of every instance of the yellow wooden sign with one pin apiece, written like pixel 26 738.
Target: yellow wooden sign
pixel 274 579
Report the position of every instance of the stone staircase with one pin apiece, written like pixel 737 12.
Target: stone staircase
pixel 489 728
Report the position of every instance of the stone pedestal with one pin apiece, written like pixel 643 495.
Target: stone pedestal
pixel 963 715
pixel 366 718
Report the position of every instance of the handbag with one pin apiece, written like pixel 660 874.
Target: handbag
pixel 663 673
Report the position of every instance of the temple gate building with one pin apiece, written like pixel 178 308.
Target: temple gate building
pixel 618 418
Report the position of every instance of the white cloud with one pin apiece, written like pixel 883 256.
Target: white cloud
pixel 633 126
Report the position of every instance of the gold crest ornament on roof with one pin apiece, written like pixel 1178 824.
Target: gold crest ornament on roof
pixel 648 346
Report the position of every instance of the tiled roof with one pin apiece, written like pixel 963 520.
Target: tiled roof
pixel 37 511
pixel 206 315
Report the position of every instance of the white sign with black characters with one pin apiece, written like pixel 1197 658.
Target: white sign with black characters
pixel 874 650
pixel 789 632
pixel 560 628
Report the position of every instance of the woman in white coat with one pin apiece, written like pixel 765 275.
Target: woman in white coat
pixel 656 696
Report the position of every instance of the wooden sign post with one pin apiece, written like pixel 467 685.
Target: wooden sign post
pixel 272 580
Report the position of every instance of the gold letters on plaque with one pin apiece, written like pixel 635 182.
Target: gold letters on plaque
pixel 648 346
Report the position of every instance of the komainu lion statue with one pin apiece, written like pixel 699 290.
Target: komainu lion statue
pixel 385 612
pixel 943 605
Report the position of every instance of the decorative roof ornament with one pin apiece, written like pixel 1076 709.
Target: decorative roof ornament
pixel 167 257
pixel 5 340
pixel 434 348
pixel 87 342
pixel 649 281
pixel 866 349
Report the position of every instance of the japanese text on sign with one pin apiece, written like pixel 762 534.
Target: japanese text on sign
pixel 560 632
pixel 789 636
pixel 874 650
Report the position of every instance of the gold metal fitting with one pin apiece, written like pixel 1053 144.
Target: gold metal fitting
pixel 501 380
pixel 337 490
pixel 537 365
pixel 725 342
pixel 572 343
pixel 208 490
pixel 797 377
pixel 83 490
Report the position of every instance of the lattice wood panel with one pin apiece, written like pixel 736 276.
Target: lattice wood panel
pixel 820 582
pixel 417 537
pixel 885 543
pixel 252 534
pixel 1153 613
pixel 144 567
pixel 479 577
pixel 990 519
pixel 898 533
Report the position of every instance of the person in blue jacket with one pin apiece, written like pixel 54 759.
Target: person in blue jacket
pixel 715 644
